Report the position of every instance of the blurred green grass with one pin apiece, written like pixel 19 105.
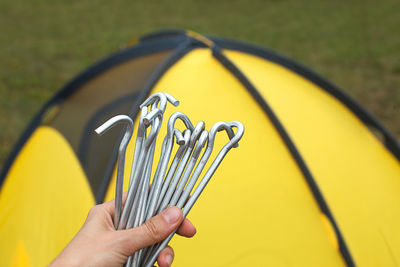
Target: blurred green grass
pixel 43 44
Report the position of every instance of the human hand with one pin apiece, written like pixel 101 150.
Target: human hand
pixel 98 243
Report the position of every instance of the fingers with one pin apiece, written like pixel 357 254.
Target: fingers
pixel 186 229
pixel 152 231
pixel 166 257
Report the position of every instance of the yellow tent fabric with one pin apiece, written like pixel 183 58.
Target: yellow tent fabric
pixel 43 202
pixel 260 209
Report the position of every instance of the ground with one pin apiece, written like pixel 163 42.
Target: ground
pixel 354 44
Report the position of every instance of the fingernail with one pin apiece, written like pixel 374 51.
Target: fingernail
pixel 172 215
pixel 169 259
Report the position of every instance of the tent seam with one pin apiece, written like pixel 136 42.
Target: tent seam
pixel 235 71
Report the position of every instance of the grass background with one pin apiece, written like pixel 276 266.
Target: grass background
pixel 43 44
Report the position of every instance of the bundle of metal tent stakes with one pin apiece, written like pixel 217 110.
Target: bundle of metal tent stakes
pixel 170 186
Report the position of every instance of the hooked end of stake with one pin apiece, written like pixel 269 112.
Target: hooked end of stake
pixel 100 130
pixel 172 99
pixel 235 145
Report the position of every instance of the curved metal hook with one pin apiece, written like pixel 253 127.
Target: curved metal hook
pixel 218 127
pixel 196 133
pixel 239 134
pixel 115 121
pixel 141 133
pixel 162 98
pixel 169 142
pixel 183 118
pixel 156 113
pixel 172 99
pixel 151 115
pixel 121 158
pixel 186 137
pixel 200 144
pixel 229 131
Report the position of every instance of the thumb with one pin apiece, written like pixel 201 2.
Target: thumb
pixel 152 231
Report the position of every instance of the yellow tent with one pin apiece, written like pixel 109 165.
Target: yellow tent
pixel 310 184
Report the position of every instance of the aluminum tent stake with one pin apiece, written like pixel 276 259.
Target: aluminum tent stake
pixel 189 168
pixel 134 180
pixel 171 188
pixel 121 158
pixel 187 151
pixel 156 186
pixel 186 209
pixel 153 100
pixel 192 161
pixel 136 214
pixel 133 219
pixel 178 156
pixel 181 141
pixel 142 205
pixel 137 175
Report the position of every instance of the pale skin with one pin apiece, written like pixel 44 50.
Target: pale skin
pixel 98 243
